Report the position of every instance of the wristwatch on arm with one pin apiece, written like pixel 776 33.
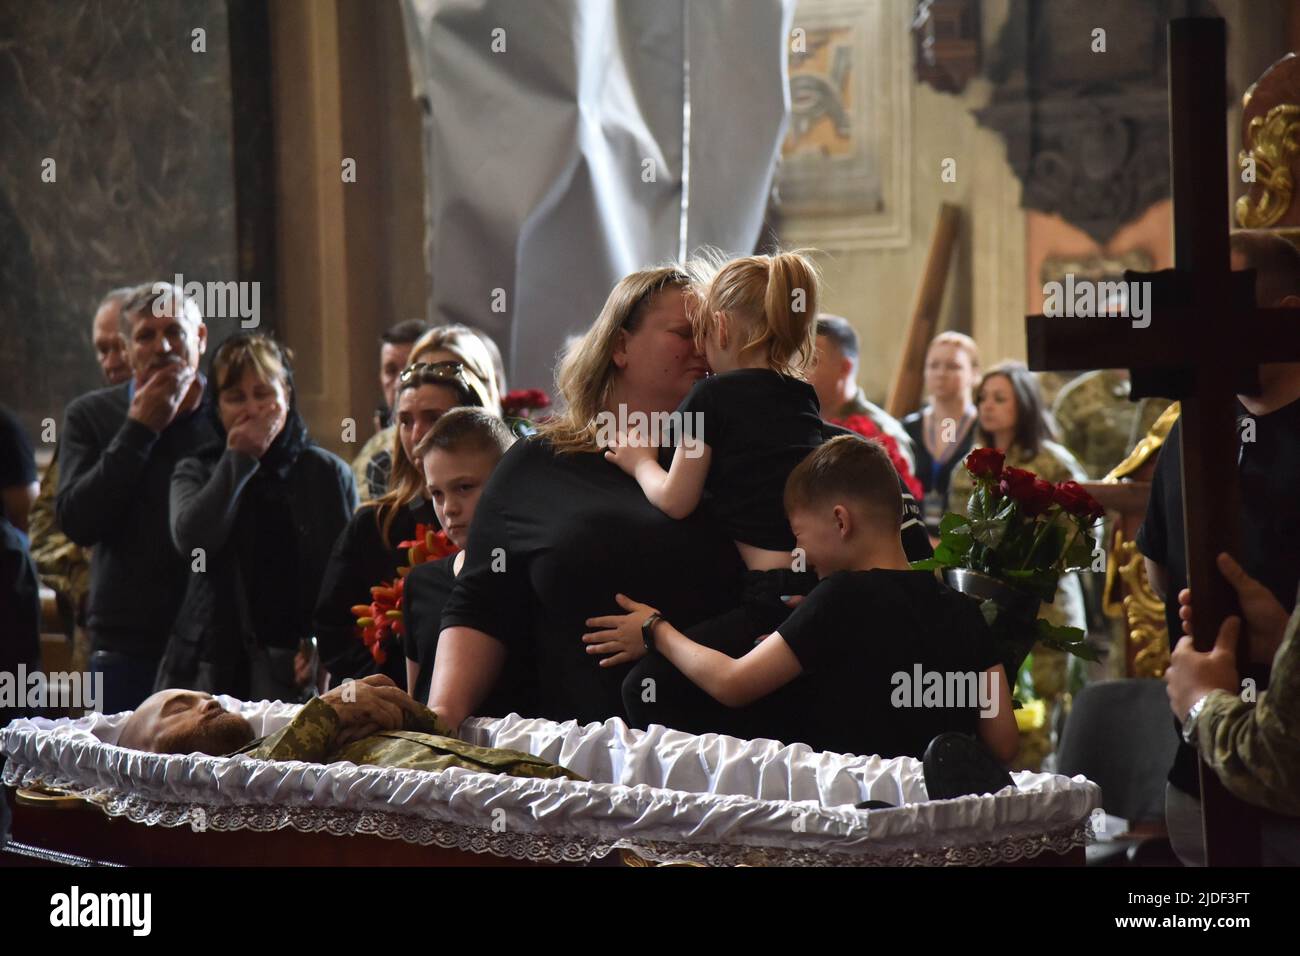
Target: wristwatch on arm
pixel 648 631
pixel 1189 725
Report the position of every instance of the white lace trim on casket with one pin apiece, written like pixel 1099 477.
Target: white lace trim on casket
pixel 665 795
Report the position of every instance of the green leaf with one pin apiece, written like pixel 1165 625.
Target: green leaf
pixel 952 521
pixel 1037 581
pixel 929 564
pixel 989 609
pixel 1072 640
pixel 1080 553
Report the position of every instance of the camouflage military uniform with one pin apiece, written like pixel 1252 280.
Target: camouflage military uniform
pixel 423 743
pixel 63 565
pixel 1255 747
pixel 886 422
pixel 1098 422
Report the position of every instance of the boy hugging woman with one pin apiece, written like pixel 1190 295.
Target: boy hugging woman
pixel 828 673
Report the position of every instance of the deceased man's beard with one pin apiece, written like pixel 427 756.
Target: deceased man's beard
pixel 217 736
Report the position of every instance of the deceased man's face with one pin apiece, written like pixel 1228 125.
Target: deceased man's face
pixel 182 722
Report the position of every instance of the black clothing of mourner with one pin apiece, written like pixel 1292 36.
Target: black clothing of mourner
pixel 678 703
pixel 20 615
pixel 554 538
pixel 425 592
pixel 362 559
pixel 114 488
pixel 266 528
pixel 567 533
pixel 857 632
pixel 758 424
pixel 935 475
pixel 17 462
pixel 1269 526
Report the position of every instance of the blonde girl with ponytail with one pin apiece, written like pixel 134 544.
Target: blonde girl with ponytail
pixel 743 429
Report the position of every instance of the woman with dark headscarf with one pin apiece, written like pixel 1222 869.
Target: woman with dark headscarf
pixel 256 516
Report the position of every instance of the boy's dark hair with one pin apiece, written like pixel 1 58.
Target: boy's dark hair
pixel 846 467
pixel 404 333
pixel 467 429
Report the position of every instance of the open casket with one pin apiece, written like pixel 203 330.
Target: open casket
pixel 663 795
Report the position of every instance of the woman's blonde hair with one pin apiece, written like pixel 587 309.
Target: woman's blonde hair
pixel 467 345
pixel 584 376
pixel 405 483
pixel 774 301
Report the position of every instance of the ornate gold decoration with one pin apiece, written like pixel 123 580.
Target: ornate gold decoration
pixel 1145 612
pixel 1272 140
pixel 1148 446
pixel 47 798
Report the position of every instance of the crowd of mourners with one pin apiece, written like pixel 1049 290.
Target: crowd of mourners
pixel 746 572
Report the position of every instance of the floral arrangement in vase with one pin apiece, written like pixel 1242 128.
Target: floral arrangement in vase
pixel 1020 534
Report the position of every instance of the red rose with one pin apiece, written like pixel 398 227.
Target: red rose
pixel 1071 496
pixel 1028 490
pixel 522 400
pixel 1038 498
pixel 1016 482
pixel 985 463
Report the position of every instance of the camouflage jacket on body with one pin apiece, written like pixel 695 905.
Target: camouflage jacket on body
pixel 423 743
pixel 1099 423
pixel 1255 747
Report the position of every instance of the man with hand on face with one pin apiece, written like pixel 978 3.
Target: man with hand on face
pixel 119 446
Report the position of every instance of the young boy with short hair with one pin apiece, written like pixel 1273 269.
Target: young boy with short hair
pixel 893 657
pixel 457 455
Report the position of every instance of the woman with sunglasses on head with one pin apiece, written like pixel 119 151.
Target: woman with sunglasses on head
pixel 443 343
pixel 255 515
pixel 367 553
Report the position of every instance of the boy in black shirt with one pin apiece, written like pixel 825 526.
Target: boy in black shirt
pixel 458 455
pixel 891 657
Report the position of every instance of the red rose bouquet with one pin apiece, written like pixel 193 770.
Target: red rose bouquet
pixel 380 621
pixel 865 427
pixel 1023 533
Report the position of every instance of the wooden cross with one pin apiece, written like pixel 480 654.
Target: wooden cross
pixel 1203 345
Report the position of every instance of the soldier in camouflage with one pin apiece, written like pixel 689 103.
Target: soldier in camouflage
pixel 1251 744
pixel 367 722
pixel 1098 422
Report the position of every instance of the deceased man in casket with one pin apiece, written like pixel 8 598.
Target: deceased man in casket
pixel 369 722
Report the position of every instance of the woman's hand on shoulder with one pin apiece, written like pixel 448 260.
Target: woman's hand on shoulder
pixel 620 636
